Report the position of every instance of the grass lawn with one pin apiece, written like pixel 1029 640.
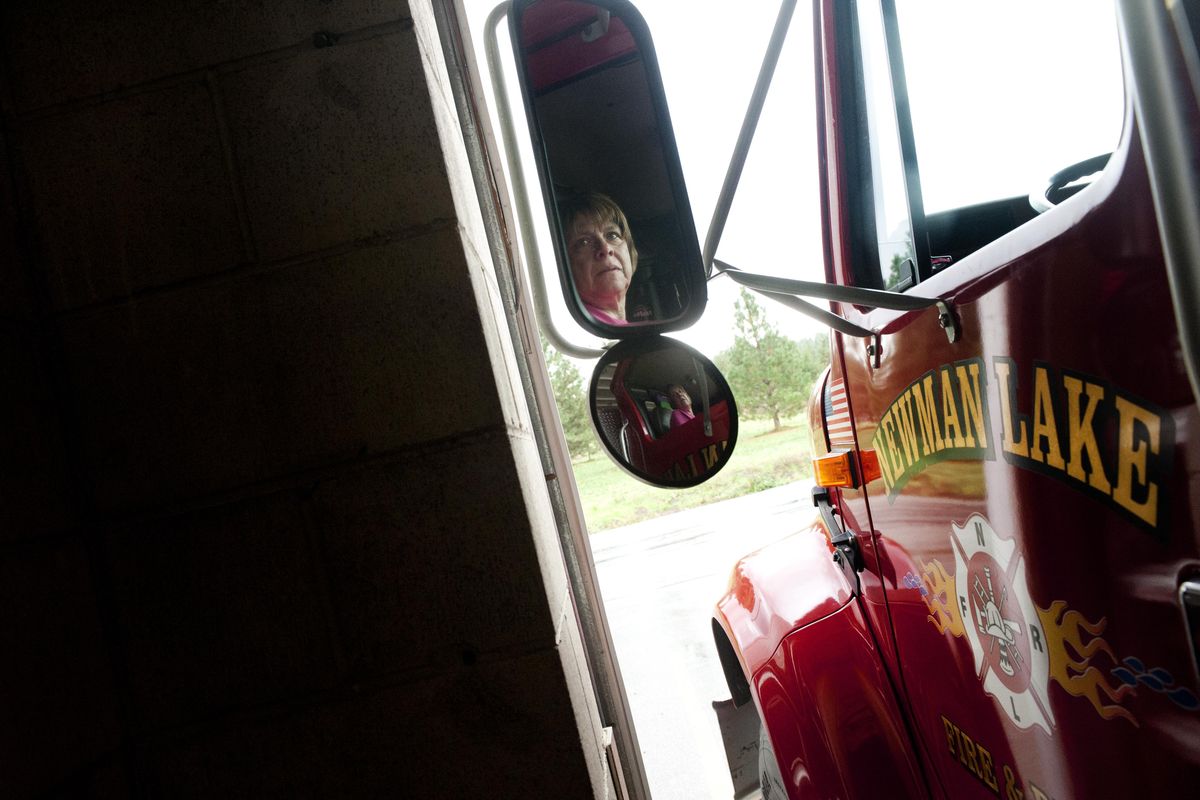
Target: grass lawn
pixel 761 459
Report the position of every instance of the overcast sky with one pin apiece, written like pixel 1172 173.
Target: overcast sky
pixel 1057 64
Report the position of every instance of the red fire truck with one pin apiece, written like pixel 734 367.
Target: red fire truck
pixel 1000 590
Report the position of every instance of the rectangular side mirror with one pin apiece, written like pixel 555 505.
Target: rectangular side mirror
pixel 625 240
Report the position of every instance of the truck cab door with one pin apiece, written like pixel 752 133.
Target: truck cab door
pixel 1036 521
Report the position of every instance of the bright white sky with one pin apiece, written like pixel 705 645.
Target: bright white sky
pixel 1055 60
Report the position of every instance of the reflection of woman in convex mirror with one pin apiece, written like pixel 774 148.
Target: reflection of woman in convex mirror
pixel 603 256
pixel 681 402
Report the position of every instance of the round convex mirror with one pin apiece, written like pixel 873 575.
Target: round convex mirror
pixel 663 412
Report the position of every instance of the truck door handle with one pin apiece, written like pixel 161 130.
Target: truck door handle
pixel 1189 599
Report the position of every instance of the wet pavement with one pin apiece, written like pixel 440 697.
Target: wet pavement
pixel 660 580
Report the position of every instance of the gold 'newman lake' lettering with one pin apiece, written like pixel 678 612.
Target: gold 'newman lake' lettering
pixel 1094 437
pixel 943 414
pixel 1069 426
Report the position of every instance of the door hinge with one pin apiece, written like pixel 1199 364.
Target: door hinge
pixel 846 552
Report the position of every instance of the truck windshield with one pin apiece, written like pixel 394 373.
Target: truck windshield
pixel 1004 95
pixel 999 97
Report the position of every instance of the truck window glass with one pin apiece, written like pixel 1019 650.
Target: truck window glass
pixel 893 223
pixel 992 119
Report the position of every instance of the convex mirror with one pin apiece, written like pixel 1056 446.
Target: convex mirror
pixel 663 412
pixel 625 240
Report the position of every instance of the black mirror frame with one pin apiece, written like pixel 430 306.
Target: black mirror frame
pixel 692 274
pixel 635 347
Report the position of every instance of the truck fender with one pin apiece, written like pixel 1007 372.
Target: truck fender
pixel 792 637
pixel 777 590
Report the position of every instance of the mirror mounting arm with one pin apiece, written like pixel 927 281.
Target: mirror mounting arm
pixel 872 298
pixel 749 124
pixel 822 315
pixel 785 289
pixel 541 303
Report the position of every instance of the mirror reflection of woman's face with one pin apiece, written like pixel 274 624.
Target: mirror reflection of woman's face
pixel 680 398
pixel 600 262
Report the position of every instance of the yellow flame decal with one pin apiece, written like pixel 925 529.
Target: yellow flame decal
pixel 1079 677
pixel 939 599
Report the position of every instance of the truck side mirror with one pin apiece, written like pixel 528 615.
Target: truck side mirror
pixel 625 240
pixel 663 412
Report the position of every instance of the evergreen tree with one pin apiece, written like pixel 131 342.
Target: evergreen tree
pixel 770 374
pixel 571 398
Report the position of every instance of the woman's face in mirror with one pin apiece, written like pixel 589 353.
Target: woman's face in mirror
pixel 680 397
pixel 601 263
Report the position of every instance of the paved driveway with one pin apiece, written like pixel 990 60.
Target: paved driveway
pixel 660 580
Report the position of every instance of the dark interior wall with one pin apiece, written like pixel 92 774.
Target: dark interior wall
pixel 269 512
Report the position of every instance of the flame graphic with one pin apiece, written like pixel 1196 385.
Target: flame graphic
pixel 1079 677
pixel 938 597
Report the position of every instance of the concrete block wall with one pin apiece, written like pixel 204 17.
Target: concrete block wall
pixel 272 522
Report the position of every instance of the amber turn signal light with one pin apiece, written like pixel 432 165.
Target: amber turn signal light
pixel 840 469
pixel 835 469
pixel 870 465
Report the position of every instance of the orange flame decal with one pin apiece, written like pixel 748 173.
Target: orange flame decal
pixel 1077 676
pixel 939 599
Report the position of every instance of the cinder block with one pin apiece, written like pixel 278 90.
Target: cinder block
pixel 68 49
pixel 220 610
pixel 35 494
pixel 60 710
pixel 336 145
pixel 256 377
pixel 16 300
pixel 131 194
pixel 433 558
pixel 493 730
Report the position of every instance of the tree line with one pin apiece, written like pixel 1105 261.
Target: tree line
pixel 771 374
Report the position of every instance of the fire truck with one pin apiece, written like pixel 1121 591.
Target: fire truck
pixel 999 592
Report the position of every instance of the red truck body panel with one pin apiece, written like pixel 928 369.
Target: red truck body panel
pixel 815 673
pixel 1017 629
pixel 1078 500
